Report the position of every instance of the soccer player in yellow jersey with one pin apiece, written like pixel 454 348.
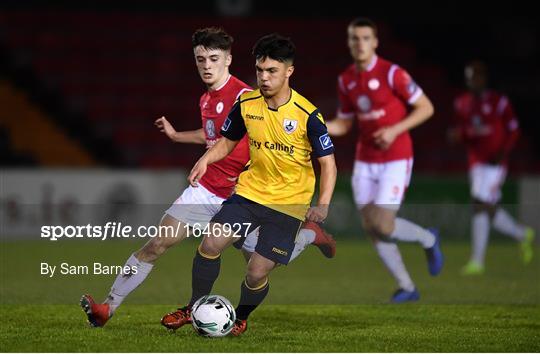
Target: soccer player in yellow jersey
pixel 285 132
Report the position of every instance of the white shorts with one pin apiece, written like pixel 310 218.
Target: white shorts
pixel 486 182
pixel 382 184
pixel 197 206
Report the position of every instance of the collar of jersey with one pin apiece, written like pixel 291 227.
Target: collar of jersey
pixel 222 85
pixel 283 105
pixel 370 66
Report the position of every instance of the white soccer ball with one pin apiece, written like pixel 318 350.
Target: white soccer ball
pixel 213 316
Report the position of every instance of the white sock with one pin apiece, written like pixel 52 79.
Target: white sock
pixel 391 257
pixel 410 232
pixel 126 283
pixel 304 238
pixel 506 224
pixel 480 235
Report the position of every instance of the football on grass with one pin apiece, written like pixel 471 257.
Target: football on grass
pixel 213 316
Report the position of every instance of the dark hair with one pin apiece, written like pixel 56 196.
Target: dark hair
pixel 274 46
pixel 212 38
pixel 364 22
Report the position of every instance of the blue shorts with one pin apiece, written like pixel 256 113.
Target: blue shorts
pixel 277 231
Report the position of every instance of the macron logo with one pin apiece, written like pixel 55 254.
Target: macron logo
pixel 226 125
pixel 326 142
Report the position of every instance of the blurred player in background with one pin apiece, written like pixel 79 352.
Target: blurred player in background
pixel 386 103
pixel 285 133
pixel 196 206
pixel 485 122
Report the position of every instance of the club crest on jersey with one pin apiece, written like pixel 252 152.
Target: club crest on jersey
pixel 364 103
pixel 373 84
pixel 210 129
pixel 290 125
pixel 219 107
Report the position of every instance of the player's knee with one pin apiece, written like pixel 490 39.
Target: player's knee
pixel 382 229
pixel 481 207
pixel 256 275
pixel 209 247
pixel 171 228
pixel 255 280
pixel 377 229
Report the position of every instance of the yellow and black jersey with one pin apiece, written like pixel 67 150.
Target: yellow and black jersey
pixel 281 144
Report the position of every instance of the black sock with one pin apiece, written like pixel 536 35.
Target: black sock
pixel 249 300
pixel 203 275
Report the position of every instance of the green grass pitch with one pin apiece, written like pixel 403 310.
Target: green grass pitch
pixel 314 305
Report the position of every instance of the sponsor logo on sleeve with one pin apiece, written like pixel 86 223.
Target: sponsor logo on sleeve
pixel 326 142
pixel 411 87
pixel 226 124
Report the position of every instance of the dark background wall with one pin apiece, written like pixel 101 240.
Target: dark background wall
pixel 103 71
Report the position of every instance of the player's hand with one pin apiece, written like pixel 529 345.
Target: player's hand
pixel 317 213
pixel 384 137
pixel 197 172
pixel 165 127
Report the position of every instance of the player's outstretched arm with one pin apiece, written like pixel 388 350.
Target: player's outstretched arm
pixel 217 152
pixel 326 189
pixel 421 111
pixel 187 137
pixel 339 127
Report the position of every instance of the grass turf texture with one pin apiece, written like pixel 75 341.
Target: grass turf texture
pixel 284 328
pixel 314 304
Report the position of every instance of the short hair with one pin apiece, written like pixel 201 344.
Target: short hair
pixel 364 22
pixel 274 46
pixel 212 38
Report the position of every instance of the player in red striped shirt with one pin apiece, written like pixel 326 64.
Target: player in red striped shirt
pixel 485 122
pixel 385 103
